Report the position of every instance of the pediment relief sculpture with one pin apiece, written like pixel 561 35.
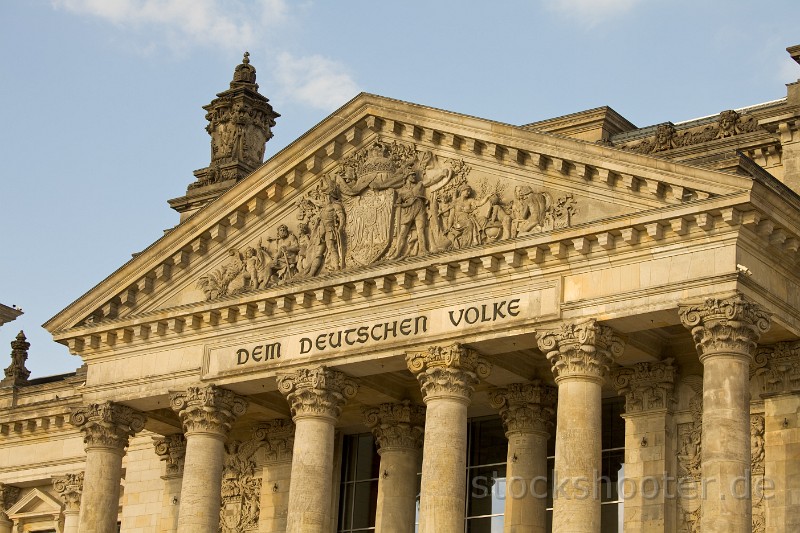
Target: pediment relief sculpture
pixel 386 202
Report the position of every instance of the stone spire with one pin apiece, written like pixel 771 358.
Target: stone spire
pixel 240 122
pixel 16 373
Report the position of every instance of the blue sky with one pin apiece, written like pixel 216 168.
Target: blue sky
pixel 102 98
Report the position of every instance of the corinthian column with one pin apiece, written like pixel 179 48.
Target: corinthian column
pixel 69 488
pixel 527 411
pixel 207 414
pixel 278 438
pixel 447 376
pixel 647 388
pixel 579 354
pixel 172 450
pixel 8 496
pixel 316 397
pixel 106 429
pixel 398 428
pixel 726 333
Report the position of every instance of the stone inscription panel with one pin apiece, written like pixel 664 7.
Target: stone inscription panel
pixel 374 332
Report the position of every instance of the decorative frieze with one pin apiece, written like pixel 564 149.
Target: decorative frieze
pixel 396 425
pixel 69 488
pixel 725 325
pixel 172 450
pixel 317 392
pixel 278 438
pixel 777 367
pixel 646 386
pixel 209 409
pixel 580 349
pixel 16 374
pixel 107 424
pixel 525 407
pixel 451 370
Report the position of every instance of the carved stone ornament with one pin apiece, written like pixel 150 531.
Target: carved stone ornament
pixel 107 424
pixel 208 409
pixel 757 472
pixel 778 367
pixel 16 374
pixel 525 407
pixel 448 371
pixel 396 425
pixel 690 438
pixel 646 386
pixel 317 392
pixel 728 124
pixel 725 325
pixel 387 201
pixel 9 495
pixel 278 438
pixel 580 349
pixel 69 488
pixel 172 450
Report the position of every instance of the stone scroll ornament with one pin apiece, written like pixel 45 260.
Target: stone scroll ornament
pixel 386 202
pixel 107 424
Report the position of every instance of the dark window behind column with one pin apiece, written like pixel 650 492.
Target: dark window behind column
pixel 359 488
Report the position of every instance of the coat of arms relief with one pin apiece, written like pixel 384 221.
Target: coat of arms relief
pixel 386 202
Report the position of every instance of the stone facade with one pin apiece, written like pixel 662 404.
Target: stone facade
pixel 400 271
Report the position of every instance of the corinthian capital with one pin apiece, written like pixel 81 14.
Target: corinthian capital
pixel 525 407
pixel 777 367
pixel 69 488
pixel 278 437
pixel 317 392
pixel 209 409
pixel 396 425
pixel 448 371
pixel 172 450
pixel 725 326
pixel 107 424
pixel 8 497
pixel 646 386
pixel 580 349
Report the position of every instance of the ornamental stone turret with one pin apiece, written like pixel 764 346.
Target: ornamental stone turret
pixel 16 374
pixel 240 122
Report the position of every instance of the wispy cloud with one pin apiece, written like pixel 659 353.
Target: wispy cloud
pixel 232 24
pixel 591 12
pixel 315 80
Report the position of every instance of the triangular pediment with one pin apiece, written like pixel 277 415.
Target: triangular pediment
pixel 33 503
pixel 382 182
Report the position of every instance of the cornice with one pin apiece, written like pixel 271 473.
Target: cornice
pixel 285 174
pixel 619 235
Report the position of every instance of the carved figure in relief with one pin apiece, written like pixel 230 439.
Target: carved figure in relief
pixel 312 247
pixel 412 212
pixel 332 219
pixel 465 225
pixel 528 210
pixel 283 252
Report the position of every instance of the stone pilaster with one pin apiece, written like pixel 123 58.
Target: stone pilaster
pixel 9 495
pixel 106 428
pixel 778 373
pixel 580 354
pixel 527 412
pixel 726 332
pixel 447 376
pixel 316 397
pixel 649 450
pixel 398 429
pixel 207 414
pixel 172 450
pixel 69 488
pixel 276 475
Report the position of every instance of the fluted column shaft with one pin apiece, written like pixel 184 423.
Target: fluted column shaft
pixel 526 410
pixel 316 397
pixel 106 428
pixel 398 428
pixel 207 414
pixel 580 354
pixel 447 376
pixel 726 333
